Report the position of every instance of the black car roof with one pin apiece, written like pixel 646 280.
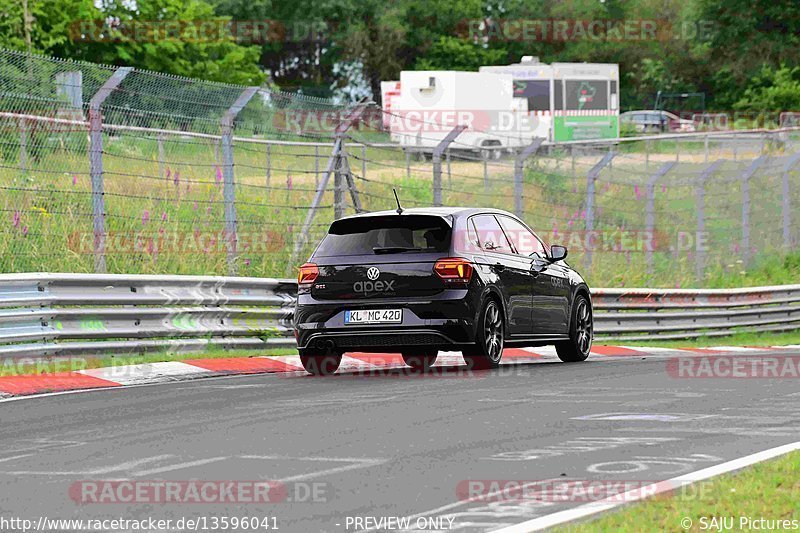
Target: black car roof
pixel 435 211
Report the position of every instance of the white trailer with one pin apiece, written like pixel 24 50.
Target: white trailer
pixel 431 103
pixel 504 107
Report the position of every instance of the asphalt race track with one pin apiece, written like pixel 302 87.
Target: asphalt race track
pixel 388 445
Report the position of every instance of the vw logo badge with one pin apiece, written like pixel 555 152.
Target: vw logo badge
pixel 373 273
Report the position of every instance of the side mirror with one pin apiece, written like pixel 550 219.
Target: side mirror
pixel 557 252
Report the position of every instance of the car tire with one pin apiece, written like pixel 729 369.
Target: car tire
pixel 581 329
pixel 489 339
pixel 420 362
pixel 320 364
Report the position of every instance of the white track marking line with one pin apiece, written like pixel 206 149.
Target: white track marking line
pixel 657 351
pixel 353 464
pixel 177 466
pixel 544 351
pixel 121 467
pixel 351 364
pixel 454 505
pixel 744 349
pixel 648 491
pixel 144 372
pixel 291 360
pixel 4 459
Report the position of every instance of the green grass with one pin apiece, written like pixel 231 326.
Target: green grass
pixel 739 339
pixel 766 490
pixel 49 365
pixel 158 223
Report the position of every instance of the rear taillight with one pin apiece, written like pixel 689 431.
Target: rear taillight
pixel 307 275
pixel 454 269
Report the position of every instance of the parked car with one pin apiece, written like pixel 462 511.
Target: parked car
pixel 421 280
pixel 655 121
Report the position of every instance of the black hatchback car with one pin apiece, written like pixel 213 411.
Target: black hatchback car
pixel 417 281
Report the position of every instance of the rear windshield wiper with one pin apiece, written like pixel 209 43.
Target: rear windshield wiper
pixel 394 249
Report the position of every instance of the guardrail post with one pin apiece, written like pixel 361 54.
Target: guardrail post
pixel 229 184
pixel 650 212
pixel 787 202
pixel 519 165
pixel 591 178
pixel 700 187
pixel 437 162
pixel 746 176
pixel 96 165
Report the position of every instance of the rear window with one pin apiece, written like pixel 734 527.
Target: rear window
pixel 393 234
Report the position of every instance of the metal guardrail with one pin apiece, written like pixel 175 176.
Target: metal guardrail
pixel 45 314
pixel 60 314
pixel 670 314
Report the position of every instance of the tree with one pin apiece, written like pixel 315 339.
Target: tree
pixel 772 90
pixel 78 29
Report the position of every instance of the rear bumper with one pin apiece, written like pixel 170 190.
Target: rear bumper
pixel 447 321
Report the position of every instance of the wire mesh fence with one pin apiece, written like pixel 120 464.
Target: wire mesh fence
pixel 113 169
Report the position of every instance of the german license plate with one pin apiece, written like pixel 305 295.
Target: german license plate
pixel 374 316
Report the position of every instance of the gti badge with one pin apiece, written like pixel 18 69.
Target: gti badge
pixel 373 273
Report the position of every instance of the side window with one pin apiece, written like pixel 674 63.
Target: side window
pixel 523 240
pixel 490 235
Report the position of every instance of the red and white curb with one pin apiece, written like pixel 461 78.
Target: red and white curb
pixel 147 373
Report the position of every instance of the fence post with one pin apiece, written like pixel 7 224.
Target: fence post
pixel 650 210
pixel 572 149
pixel 269 163
pixel 437 162
pixel 333 165
pixel 344 166
pixel 96 165
pixel 519 165
pixel 705 143
pixel 364 163
pixel 751 170
pixel 700 203
pixel 160 141
pixel 302 237
pixel 338 184
pixel 785 208
pixel 591 178
pixel 484 156
pixel 229 184
pixel 23 145
pixel 316 167
pixel 449 174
